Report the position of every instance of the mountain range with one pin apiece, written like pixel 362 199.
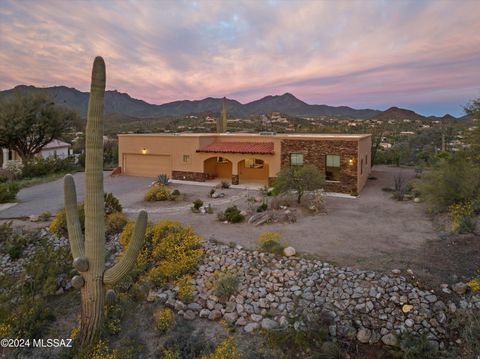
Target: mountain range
pixel 118 102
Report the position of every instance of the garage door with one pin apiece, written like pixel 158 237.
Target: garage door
pixel 147 165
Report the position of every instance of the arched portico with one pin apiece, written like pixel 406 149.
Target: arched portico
pixel 218 167
pixel 253 170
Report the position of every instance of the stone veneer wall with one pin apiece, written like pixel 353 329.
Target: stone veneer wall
pixel 314 152
pixel 189 176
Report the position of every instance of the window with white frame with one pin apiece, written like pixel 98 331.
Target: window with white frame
pixel 296 159
pixel 332 168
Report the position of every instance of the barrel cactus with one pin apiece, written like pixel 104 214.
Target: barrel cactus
pixel 88 250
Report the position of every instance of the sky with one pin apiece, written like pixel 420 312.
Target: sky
pixel 422 55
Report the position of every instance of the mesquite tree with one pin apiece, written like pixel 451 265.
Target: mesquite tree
pixel 88 250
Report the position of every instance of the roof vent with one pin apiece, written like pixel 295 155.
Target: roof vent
pixel 266 133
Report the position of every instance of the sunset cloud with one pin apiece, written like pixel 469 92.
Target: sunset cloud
pixel 421 54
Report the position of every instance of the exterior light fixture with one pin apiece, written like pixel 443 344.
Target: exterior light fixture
pixel 350 161
pixel 144 151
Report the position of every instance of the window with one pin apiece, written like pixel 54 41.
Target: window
pixel 253 163
pixel 186 158
pixel 332 168
pixel 296 159
pixel 222 160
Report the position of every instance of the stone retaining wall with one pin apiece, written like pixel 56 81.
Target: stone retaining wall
pixel 189 176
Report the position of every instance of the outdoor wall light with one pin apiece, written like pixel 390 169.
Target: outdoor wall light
pixel 144 151
pixel 350 161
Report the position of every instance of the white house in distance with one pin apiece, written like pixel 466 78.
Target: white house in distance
pixel 56 148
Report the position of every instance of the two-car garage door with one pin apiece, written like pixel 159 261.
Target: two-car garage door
pixel 147 165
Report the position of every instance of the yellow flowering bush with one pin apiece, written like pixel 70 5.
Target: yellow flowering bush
pixel 185 288
pixel 272 242
pixel 474 284
pixel 462 215
pixel 164 319
pixel 225 350
pixel 170 354
pixel 101 350
pixel 158 193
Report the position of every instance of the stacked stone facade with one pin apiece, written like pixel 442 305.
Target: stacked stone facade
pixel 189 176
pixel 315 151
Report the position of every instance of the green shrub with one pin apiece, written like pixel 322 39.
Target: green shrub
pixel 45 216
pixel 3 179
pixel 197 204
pixel 233 215
pixel 162 180
pixel 113 315
pixel 212 191
pixel 158 193
pixel 454 180
pixel 262 208
pixel 272 242
pixel 175 192
pixel 414 346
pixel 8 192
pixel 164 319
pixel 186 342
pixel 112 204
pixel 115 222
pixel 225 284
pixel 225 184
pixel 40 166
pixel 59 223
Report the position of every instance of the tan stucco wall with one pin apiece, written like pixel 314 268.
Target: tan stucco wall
pixel 187 144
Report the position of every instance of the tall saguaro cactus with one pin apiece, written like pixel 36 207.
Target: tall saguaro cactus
pixel 89 251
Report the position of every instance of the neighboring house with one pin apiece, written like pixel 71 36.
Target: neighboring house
pixel 246 158
pixel 56 148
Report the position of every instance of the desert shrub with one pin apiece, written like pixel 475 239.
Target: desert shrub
pixel 23 309
pixel 414 346
pixel 196 205
pixel 209 209
pixel 158 193
pixel 59 223
pixel 315 201
pixel 400 187
pixel 474 284
pixel 462 216
pixel 187 342
pixel 185 288
pixel 112 204
pixel 233 215
pixel 15 244
pixel 14 168
pixel 225 350
pixel 113 315
pixel 225 185
pixel 171 250
pixel 225 284
pixel 455 180
pixel 262 208
pixel 466 322
pixel 8 192
pixel 298 179
pixel 44 216
pixel 308 342
pixel 162 180
pixel 212 191
pixel 39 166
pixel 175 192
pixel 115 222
pixel 272 242
pixel 164 319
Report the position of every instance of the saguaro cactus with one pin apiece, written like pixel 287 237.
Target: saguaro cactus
pixel 89 251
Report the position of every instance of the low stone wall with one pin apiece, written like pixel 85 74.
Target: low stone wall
pixel 371 307
pixel 189 176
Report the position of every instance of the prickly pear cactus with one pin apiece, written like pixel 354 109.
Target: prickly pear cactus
pixel 88 250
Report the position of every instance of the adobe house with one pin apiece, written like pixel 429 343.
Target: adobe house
pixel 247 158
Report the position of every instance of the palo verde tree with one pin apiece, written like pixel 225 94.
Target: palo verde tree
pixel 28 121
pixel 88 250
pixel 299 179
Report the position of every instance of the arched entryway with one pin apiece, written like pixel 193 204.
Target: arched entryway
pixel 218 168
pixel 253 170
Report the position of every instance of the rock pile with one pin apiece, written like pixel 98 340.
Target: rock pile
pixel 274 291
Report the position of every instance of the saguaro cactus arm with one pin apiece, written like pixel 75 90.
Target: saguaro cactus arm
pixel 75 234
pixel 120 269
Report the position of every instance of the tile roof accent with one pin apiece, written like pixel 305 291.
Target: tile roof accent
pixel 239 147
